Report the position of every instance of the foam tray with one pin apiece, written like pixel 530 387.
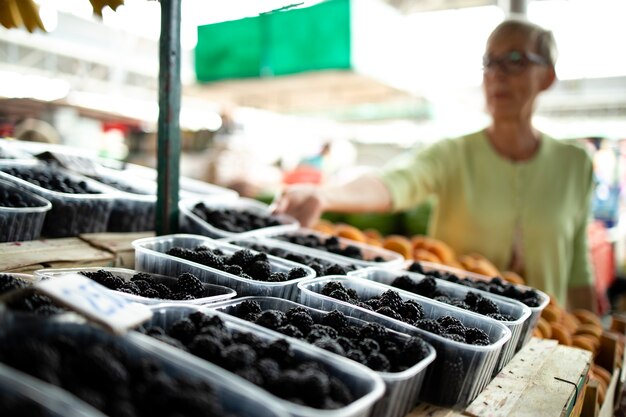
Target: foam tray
pixel 460 371
pixel 150 256
pixel 401 388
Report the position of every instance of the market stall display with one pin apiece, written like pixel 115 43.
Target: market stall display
pixel 22 213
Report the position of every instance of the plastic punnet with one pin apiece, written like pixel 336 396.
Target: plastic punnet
pixel 22 223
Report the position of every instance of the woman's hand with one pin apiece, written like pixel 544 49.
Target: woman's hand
pixel 304 202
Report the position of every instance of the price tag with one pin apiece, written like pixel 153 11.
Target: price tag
pixel 95 302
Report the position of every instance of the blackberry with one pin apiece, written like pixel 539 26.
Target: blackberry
pixel 404 282
pixel 238 356
pixel 150 293
pixel 486 306
pixel 387 311
pixel 319 331
pixel 260 257
pixel 340 295
pixel 207 347
pixel 378 362
pixel 272 319
pixel 339 391
pixel 269 370
pixel 352 293
pixel 330 345
pixel 373 303
pixel 476 336
pixel 300 319
pixel 471 298
pixel 443 299
pixel 345 343
pixel 336 269
pixel 243 258
pixel 391 299
pixel 453 372
pixel 447 321
pixel 246 307
pixel 416 267
pixel 233 269
pixel 189 284
pixel 183 330
pixel 368 346
pixel 280 351
pixel 411 311
pixel 259 270
pixel 374 331
pixel 500 317
pixel 531 301
pixel 335 319
pixel 278 277
pixel 426 287
pixel 413 350
pixel 332 286
pixel 319 269
pixel 350 332
pixel 297 272
pixel 456 329
pixel 430 326
pixel 291 330
pixel 357 356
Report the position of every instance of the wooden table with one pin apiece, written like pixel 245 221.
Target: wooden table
pixel 544 379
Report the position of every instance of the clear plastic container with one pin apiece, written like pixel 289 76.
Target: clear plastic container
pixel 391 259
pixel 274 244
pixel 71 214
pixel 364 384
pixel 22 223
pixel 535 312
pixel 238 398
pixel 460 370
pixel 150 256
pixel 217 292
pixel 401 388
pixel 135 207
pixel 36 398
pixel 518 311
pixel 191 223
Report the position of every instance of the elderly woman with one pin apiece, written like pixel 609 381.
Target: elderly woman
pixel 509 192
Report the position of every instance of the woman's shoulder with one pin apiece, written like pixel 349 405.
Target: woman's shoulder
pixel 567 150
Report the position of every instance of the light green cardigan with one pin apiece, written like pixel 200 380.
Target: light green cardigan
pixel 481 196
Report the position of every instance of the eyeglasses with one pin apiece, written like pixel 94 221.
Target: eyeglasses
pixel 513 62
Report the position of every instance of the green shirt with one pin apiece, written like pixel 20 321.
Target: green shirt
pixel 483 199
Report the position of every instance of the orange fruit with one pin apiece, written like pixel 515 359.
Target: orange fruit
pixel 560 333
pixel 586 316
pixel 424 255
pixel 349 232
pixel 552 313
pixel 590 329
pixel 545 328
pixel 399 244
pixel 513 277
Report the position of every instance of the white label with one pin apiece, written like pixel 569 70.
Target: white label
pixel 95 302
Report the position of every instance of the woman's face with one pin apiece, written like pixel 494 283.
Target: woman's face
pixel 510 94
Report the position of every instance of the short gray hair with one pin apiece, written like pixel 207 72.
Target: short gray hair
pixel 545 45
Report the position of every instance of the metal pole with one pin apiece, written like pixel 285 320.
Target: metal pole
pixel 514 8
pixel 168 147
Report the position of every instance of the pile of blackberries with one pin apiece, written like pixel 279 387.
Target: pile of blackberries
pixel 242 263
pixel 270 365
pixel 390 304
pixel 321 266
pixel 186 287
pixel 50 179
pixel 15 199
pixel 472 301
pixel 371 345
pixel 331 244
pixel 108 378
pixel 235 221
pixel 496 286
pixel 29 302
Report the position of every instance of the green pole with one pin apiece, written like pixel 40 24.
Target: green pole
pixel 168 149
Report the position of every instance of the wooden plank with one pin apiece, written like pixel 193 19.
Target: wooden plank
pixel 52 253
pixel 119 244
pixel 608 407
pixel 528 385
pixel 590 404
